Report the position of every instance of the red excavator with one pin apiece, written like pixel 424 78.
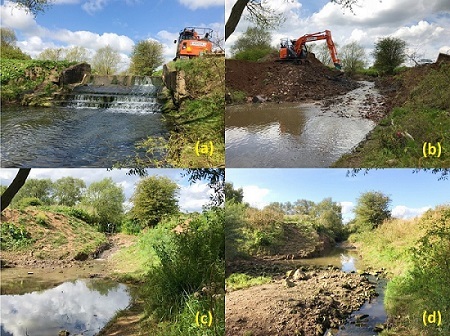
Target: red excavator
pixel 296 51
pixel 193 42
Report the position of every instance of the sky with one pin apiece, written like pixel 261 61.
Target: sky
pixel 119 23
pixel 423 24
pixel 411 193
pixel 191 197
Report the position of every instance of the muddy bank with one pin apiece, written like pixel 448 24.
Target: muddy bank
pixel 277 81
pixel 305 301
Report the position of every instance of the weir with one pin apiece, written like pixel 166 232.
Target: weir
pixel 117 93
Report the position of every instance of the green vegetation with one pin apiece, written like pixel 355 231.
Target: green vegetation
pixel 8 49
pixel 19 77
pixel 389 53
pixel 197 117
pixel 239 280
pixel 146 56
pixel 372 210
pixel 253 44
pixel 399 138
pixel 14 237
pixel 106 61
pixel 416 253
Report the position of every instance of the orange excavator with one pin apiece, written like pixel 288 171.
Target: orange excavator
pixel 193 42
pixel 296 51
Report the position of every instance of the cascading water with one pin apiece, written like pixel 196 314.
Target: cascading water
pixel 138 96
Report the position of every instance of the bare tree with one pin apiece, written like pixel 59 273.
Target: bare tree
pixel 14 187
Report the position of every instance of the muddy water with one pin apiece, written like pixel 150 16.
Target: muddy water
pixel 44 305
pixel 348 261
pixel 297 135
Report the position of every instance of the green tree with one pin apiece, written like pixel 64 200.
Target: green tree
pixel 353 57
pixel 105 199
pixel 68 190
pixel 146 56
pixel 233 195
pixel 329 217
pixel 52 54
pixel 41 189
pixel 8 47
pixel 253 44
pixel 76 54
pixel 33 6
pixel 323 53
pixel 106 61
pixel 371 210
pixel 153 198
pixel 389 53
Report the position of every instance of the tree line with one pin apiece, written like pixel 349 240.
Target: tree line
pixel 102 202
pixel 146 56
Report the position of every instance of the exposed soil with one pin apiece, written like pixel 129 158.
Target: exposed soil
pixel 306 301
pixel 279 81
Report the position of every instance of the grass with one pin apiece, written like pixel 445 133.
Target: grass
pixel 416 252
pixel 239 280
pixel 399 138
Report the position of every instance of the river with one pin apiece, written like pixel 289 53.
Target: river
pixel 73 137
pixel 271 135
pixel 46 302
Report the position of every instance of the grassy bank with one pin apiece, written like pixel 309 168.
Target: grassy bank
pixel 198 119
pixel 416 253
pixel 419 100
pixel 21 77
pixel 47 233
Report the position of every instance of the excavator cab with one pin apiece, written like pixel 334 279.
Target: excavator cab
pixel 287 52
pixel 193 42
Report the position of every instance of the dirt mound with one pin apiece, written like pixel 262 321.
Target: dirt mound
pixel 285 81
pixel 318 300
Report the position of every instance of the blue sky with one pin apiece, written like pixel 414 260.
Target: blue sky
pixel 120 23
pixel 423 24
pixel 191 197
pixel 411 193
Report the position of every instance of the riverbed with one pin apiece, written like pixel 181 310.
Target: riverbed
pixel 271 135
pixel 73 137
pixel 45 301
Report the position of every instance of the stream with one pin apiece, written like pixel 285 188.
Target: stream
pixel 45 302
pixel 348 261
pixel 272 135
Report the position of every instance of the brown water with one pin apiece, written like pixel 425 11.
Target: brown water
pixel 47 301
pixel 271 135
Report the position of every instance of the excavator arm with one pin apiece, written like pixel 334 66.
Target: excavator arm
pixel 297 49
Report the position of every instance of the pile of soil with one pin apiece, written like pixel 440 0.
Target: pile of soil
pixel 307 304
pixel 285 81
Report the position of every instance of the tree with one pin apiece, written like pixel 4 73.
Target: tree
pixel 106 61
pixel 261 14
pixel 253 37
pixel 154 197
pixel 52 54
pixel 323 53
pixel 14 187
pixel 8 47
pixel 146 56
pixel 371 210
pixel 233 195
pixel 36 188
pixel 33 6
pixel 68 190
pixel 353 57
pixel 389 53
pixel 105 199
pixel 76 54
pixel 329 216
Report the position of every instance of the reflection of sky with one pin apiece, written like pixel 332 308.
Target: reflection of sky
pixel 348 263
pixel 70 306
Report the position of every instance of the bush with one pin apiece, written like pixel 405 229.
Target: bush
pixel 131 226
pixel 81 214
pixel 14 237
pixel 253 54
pixel 29 201
pixel 41 219
pixel 189 261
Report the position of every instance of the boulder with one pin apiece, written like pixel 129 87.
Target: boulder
pixel 74 74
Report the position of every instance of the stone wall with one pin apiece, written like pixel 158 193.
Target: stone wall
pixel 74 74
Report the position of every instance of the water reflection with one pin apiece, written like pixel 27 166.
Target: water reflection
pixel 83 306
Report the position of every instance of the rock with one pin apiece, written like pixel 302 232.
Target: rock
pixel 63 333
pixel 288 283
pixel 299 275
pixel 258 99
pixel 379 328
pixel 74 74
pixel 289 274
pixel 361 317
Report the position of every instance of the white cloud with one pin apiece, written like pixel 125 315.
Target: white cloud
pixel 404 212
pixel 347 207
pixel 93 6
pixel 445 49
pixel 196 4
pixel 194 196
pixel 255 195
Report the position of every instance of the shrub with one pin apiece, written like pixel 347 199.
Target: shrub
pixel 14 237
pixel 29 201
pixel 41 219
pixel 82 214
pixel 131 226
